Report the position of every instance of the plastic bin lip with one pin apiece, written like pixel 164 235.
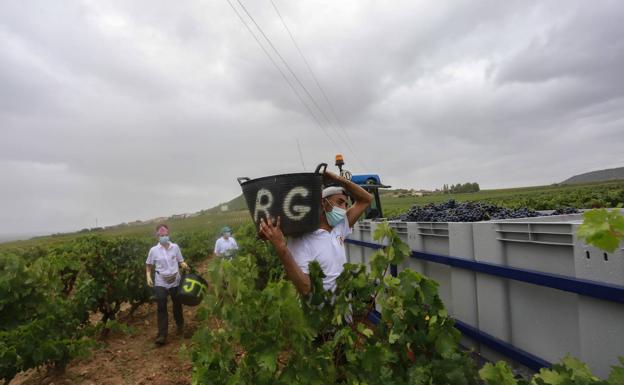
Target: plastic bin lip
pixel 400 221
pixel 510 220
pixel 556 220
pixel 263 178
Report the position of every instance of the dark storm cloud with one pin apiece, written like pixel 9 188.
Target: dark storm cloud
pixel 132 110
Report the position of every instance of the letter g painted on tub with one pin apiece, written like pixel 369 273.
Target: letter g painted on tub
pixel 298 212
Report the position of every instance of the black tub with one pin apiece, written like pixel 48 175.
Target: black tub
pixel 295 198
pixel 191 289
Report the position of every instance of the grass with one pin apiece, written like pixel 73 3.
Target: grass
pixel 535 197
pixel 211 222
pixel 393 202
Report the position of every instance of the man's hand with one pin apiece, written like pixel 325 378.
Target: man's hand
pixel 329 177
pixel 183 265
pixel 150 282
pixel 271 232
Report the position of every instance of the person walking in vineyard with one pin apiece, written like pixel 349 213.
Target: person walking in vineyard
pixel 167 259
pixel 326 244
pixel 226 245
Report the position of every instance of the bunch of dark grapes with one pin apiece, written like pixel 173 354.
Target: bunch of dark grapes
pixel 452 211
pixel 565 211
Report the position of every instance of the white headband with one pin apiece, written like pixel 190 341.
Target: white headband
pixel 333 190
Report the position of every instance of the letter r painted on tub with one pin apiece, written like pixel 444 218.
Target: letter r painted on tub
pixel 262 208
pixel 298 212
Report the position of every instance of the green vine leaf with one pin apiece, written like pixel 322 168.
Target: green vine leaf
pixel 617 373
pixel 498 374
pixel 602 228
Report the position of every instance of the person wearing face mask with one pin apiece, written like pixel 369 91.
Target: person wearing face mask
pixel 226 245
pixel 167 259
pixel 326 244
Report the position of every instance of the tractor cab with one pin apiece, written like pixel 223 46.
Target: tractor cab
pixel 369 182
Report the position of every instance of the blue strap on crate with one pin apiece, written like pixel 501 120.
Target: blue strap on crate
pixel 600 290
pixel 523 357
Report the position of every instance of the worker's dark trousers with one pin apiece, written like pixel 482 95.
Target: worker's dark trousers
pixel 163 317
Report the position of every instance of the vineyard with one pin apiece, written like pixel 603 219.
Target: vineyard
pixel 312 193
pixel 583 196
pixel 60 298
pixel 605 194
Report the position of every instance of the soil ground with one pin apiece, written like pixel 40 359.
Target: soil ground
pixel 128 359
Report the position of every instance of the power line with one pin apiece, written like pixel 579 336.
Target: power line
pixel 307 64
pixel 294 75
pixel 347 141
pixel 292 87
pixel 316 81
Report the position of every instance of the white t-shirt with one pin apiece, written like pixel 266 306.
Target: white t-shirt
pixel 327 248
pixel 223 245
pixel 166 262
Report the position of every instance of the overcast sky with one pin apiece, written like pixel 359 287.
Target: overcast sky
pixel 124 110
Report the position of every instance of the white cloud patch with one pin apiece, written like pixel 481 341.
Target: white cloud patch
pixel 130 110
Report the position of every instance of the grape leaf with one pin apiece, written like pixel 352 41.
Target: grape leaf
pixel 499 374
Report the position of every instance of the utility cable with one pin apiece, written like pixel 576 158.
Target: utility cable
pixel 318 84
pixel 292 87
pixel 294 75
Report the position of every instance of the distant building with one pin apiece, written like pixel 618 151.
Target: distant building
pixel 224 207
pixel 157 220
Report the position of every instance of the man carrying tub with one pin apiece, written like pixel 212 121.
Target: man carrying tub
pixel 326 244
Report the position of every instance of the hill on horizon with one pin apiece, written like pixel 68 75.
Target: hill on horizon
pixel 234 204
pixel 597 176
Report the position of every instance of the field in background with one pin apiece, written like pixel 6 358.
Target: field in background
pixel 208 222
pixel 605 194
pixel 590 195
pixel 82 263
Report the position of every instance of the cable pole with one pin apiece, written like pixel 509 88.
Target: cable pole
pixel 301 155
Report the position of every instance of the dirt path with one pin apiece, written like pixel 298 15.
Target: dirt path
pixel 128 358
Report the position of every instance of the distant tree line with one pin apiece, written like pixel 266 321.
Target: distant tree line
pixel 461 188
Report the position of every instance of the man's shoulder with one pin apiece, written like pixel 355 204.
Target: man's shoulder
pixel 154 248
pixel 309 241
pixel 306 237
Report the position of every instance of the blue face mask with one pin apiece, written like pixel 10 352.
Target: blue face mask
pixel 163 240
pixel 335 216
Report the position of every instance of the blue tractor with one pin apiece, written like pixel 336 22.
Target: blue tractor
pixel 366 179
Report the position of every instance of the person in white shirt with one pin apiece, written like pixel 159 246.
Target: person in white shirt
pixel 167 258
pixel 226 245
pixel 326 244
